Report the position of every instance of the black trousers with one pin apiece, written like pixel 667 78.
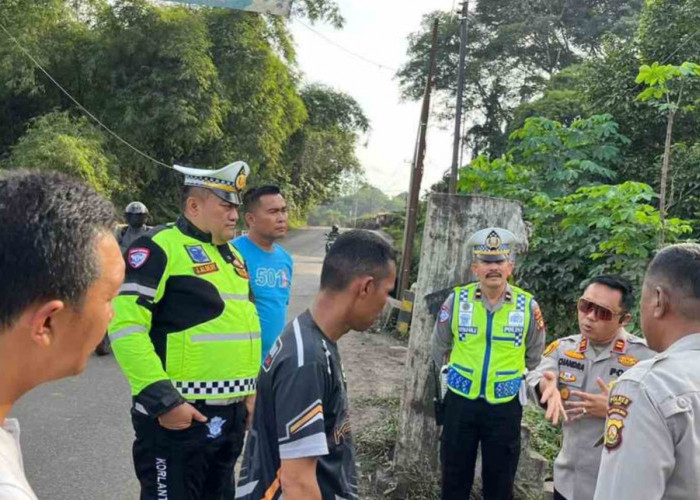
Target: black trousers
pixel 192 464
pixel 558 496
pixel 467 424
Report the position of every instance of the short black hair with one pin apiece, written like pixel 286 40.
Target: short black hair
pixel 617 282
pixel 679 267
pixel 189 191
pixel 354 254
pixel 253 195
pixel 48 227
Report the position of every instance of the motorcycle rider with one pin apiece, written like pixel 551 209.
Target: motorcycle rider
pixel 331 237
pixel 135 214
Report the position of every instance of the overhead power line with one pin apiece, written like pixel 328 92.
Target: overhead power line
pixel 80 106
pixel 348 51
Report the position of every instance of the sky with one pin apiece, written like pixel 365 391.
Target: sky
pixel 377 30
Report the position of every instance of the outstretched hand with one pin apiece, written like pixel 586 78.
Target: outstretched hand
pixel 551 397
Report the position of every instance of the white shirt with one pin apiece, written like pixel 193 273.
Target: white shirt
pixel 13 484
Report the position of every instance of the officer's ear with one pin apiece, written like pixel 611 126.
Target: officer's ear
pixel 662 301
pixel 625 319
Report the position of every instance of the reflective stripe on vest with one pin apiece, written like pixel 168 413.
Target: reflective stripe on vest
pixel 488 354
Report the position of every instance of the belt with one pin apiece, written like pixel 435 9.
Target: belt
pixel 200 402
pixel 219 402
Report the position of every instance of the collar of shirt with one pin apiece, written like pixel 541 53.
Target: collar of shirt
pixel 507 296
pixel 618 346
pixel 190 229
pixel 687 343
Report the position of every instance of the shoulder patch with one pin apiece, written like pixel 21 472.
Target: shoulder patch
pixel 550 348
pixel 444 313
pixel 240 268
pixel 137 257
pixel 539 319
pixel 613 433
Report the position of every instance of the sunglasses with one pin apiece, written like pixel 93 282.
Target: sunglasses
pixel 601 313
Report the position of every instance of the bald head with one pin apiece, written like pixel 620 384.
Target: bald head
pixel 670 305
pixel 677 269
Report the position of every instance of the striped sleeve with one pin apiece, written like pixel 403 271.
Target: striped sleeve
pixel 299 393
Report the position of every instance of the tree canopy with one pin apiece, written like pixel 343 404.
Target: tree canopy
pixel 192 86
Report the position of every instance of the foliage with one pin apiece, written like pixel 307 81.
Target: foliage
pixel 577 232
pixel 660 79
pixel 191 86
pixel 666 34
pixel 70 145
pixel 545 439
pixel 320 153
pixel 367 200
pixel 665 85
pixel 547 157
pixel 512 52
pixel 596 230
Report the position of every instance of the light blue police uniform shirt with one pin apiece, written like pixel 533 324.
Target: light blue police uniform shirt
pixel 271 280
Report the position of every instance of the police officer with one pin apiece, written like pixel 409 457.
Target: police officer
pixel 491 331
pixel 187 336
pixel 579 370
pixel 652 435
pixel 135 214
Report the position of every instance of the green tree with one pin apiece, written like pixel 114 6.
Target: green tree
pixel 581 224
pixel 190 86
pixel 665 91
pixel 323 150
pixel 57 141
pixel 513 50
pixel 549 158
pixel 596 230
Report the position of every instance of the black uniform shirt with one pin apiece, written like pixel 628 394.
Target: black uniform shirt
pixel 301 411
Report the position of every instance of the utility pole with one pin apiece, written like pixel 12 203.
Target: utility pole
pixel 460 97
pixel 417 174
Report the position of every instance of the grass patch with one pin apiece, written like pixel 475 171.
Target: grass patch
pixel 545 438
pixel 375 444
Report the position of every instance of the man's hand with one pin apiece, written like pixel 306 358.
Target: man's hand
pixel 591 405
pixel 552 398
pixel 180 417
pixel 250 407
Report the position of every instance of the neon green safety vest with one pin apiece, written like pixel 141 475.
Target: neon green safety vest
pixel 184 324
pixel 488 355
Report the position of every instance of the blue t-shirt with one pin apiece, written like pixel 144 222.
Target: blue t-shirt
pixel 271 281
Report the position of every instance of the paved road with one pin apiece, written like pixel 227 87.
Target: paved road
pixel 76 433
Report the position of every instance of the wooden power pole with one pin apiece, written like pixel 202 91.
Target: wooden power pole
pixel 460 97
pixel 417 174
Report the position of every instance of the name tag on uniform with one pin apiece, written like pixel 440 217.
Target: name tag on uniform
pixel 471 330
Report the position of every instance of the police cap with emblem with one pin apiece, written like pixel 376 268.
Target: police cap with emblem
pixel 493 244
pixel 227 183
